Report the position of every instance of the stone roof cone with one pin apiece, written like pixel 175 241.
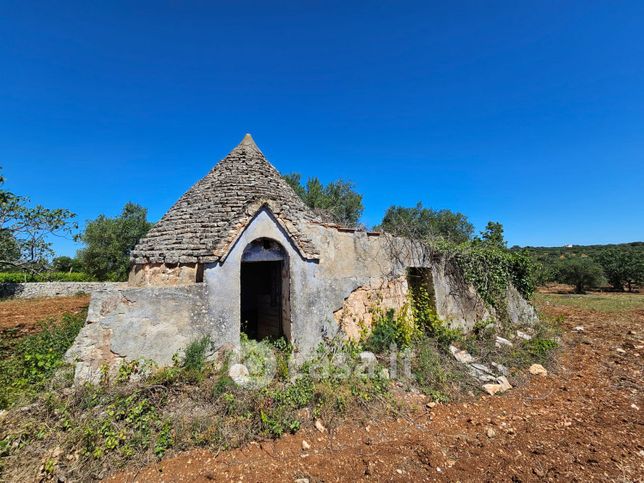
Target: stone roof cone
pixel 208 218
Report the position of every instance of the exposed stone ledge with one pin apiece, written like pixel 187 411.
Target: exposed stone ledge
pixel 31 290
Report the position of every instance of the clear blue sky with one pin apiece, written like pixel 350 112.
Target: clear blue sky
pixel 530 113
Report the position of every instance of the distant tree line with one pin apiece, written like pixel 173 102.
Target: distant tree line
pixel 620 266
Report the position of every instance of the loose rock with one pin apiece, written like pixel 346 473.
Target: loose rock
pixel 369 358
pixel 504 383
pixel 461 355
pixel 501 368
pixel 500 341
pixel 239 373
pixel 538 370
pixel 319 426
pixel 523 335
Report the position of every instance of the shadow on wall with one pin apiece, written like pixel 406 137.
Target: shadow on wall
pixel 11 289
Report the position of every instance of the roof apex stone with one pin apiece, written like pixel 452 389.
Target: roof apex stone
pixel 249 141
pixel 211 214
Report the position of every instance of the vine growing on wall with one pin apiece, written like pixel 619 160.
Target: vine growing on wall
pixel 491 270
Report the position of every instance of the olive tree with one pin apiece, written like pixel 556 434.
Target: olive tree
pixel 420 223
pixel 109 241
pixel 337 202
pixel 582 272
pixel 26 231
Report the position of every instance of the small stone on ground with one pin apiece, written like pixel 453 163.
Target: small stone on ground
pixel 538 370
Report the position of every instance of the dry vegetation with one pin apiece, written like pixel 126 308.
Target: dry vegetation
pixel 374 428
pixel 582 422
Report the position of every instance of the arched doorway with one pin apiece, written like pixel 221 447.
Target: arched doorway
pixel 265 312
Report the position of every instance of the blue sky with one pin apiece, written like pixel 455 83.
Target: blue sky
pixel 530 113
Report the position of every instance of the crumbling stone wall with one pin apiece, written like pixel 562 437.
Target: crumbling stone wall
pixel 457 302
pixel 358 311
pixel 328 296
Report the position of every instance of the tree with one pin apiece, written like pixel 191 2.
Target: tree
pixel 427 224
pixel 109 241
pixel 623 267
pixel 337 202
pixel 582 272
pixel 25 232
pixel 65 264
pixel 493 234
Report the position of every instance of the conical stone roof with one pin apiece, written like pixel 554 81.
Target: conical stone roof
pixel 206 221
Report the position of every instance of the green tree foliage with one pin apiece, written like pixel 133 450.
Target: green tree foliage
pixel 65 264
pixel 493 234
pixel 25 232
pixel 109 241
pixel 623 267
pixel 9 249
pixel 337 202
pixel 621 263
pixel 421 223
pixel 582 272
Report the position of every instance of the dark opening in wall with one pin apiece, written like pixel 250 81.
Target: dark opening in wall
pixel 261 300
pixel 264 287
pixel 200 270
pixel 420 281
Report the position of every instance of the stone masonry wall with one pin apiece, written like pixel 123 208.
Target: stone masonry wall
pixel 162 275
pixel 126 324
pixel 359 307
pixel 32 290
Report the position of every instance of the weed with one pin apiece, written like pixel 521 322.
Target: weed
pixel 388 329
pixel 27 364
pixel 435 373
pixel 195 354
pixel 126 370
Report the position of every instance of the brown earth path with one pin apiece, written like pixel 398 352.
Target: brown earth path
pixel 581 423
pixel 24 315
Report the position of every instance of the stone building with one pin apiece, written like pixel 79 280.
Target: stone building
pixel 240 251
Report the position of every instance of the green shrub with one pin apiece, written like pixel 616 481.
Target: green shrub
pixel 129 424
pixel 284 353
pixel 491 269
pixel 388 329
pixel 427 321
pixel 22 277
pixel 195 354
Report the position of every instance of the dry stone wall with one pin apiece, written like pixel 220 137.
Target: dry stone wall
pixel 33 290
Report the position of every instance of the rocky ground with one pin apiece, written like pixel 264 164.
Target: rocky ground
pixel 581 422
